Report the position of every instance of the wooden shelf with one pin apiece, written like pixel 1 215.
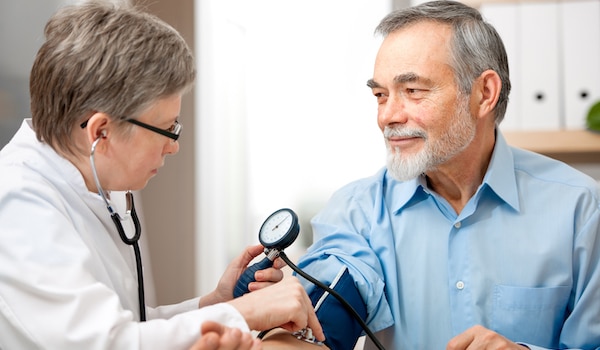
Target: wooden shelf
pixel 571 146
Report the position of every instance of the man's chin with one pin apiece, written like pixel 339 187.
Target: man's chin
pixel 403 176
pixel 405 170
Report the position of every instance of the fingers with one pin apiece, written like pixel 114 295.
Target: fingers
pixel 315 326
pixel 279 263
pixel 284 304
pixel 249 254
pixel 300 313
pixel 209 341
pixel 479 337
pixel 270 275
pixel 461 341
pixel 212 326
pixel 216 336
pixel 311 320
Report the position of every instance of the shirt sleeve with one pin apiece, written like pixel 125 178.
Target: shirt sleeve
pixel 581 329
pixel 340 232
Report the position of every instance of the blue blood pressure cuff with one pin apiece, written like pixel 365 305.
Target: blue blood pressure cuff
pixel 341 328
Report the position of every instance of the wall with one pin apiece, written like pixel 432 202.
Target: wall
pixel 285 116
pixel 18 52
pixel 168 200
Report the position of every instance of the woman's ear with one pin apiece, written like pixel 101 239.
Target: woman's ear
pixel 97 126
pixel 488 86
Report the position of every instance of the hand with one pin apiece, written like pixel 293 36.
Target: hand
pixel 284 304
pixel 216 336
pixel 264 278
pixel 479 337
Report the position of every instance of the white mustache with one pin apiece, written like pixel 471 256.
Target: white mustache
pixel 403 132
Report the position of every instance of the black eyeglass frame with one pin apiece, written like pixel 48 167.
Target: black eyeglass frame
pixel 172 135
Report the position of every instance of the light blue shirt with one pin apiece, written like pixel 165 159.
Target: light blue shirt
pixel 522 258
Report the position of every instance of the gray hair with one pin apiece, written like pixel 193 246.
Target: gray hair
pixel 101 56
pixel 475 46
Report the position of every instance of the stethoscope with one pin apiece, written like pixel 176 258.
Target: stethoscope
pixel 116 218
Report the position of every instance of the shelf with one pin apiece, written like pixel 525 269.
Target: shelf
pixel 570 146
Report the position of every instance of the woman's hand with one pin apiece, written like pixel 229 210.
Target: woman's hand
pixel 216 336
pixel 284 304
pixel 264 278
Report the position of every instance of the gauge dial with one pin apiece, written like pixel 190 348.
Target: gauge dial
pixel 280 229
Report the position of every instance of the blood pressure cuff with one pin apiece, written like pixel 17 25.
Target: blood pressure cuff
pixel 341 329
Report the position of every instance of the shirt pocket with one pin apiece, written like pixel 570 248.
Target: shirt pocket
pixel 530 315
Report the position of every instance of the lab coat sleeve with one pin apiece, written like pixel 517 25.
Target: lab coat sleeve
pixel 180 331
pixel 55 283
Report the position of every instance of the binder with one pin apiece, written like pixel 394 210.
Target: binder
pixel 504 17
pixel 580 54
pixel 538 57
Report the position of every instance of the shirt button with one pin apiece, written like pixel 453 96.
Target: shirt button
pixel 457 225
pixel 460 285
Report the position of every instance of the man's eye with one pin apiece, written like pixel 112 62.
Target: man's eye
pixel 378 93
pixel 380 96
pixel 415 93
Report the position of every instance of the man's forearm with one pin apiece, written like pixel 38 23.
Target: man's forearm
pixel 280 339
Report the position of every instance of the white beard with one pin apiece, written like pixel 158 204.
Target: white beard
pixel 434 152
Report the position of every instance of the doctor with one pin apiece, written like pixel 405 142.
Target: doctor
pixel 106 89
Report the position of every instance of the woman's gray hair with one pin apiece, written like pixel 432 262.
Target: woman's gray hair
pixel 100 56
pixel 475 47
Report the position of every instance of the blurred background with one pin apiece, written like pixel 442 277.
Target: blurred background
pixel 280 117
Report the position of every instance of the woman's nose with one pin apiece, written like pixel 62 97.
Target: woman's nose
pixel 172 147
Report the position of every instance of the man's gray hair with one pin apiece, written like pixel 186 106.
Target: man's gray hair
pixel 475 47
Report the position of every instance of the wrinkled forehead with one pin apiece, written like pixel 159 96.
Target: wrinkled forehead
pixel 419 48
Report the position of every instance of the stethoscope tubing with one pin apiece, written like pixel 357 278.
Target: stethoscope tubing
pixel 133 241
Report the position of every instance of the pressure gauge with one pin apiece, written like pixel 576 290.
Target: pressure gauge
pixel 279 230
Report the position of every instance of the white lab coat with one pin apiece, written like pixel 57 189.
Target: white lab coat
pixel 66 279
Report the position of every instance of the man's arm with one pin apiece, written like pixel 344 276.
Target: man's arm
pixel 280 339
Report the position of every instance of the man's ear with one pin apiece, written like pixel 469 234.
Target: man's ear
pixel 488 87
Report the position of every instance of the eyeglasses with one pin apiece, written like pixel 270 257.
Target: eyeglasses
pixel 173 132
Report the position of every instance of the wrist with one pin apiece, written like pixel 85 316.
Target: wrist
pixel 208 299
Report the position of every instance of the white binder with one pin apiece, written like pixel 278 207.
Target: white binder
pixel 580 53
pixel 539 61
pixel 504 17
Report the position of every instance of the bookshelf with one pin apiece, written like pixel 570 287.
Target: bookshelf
pixel 570 146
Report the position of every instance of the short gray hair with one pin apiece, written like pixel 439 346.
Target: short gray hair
pixel 476 46
pixel 101 56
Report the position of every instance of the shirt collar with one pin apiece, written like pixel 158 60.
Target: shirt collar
pixel 500 175
pixel 499 178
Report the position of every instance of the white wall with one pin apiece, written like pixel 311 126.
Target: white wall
pixel 285 116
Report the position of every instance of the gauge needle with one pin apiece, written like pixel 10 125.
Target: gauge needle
pixel 281 222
